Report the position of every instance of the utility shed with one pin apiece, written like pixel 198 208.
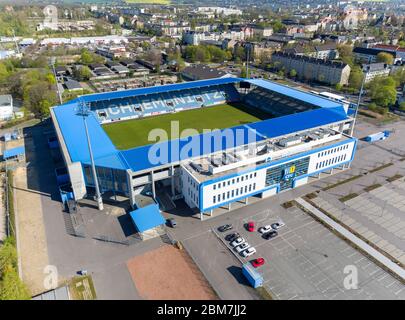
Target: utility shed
pixel 14 153
pixel 148 221
pixel 255 278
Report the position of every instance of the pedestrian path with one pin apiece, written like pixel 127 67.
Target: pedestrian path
pixel 354 239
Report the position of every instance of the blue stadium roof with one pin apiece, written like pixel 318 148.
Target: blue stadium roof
pixel 295 93
pixel 72 128
pixel 141 158
pixel 147 217
pixel 136 159
pixel 157 89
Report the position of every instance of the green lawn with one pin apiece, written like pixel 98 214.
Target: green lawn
pixel 134 133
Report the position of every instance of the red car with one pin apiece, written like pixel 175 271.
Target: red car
pixel 258 262
pixel 250 226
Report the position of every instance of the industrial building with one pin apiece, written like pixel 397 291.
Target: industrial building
pixel 304 135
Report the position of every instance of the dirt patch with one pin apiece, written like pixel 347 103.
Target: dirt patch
pixel 168 273
pixel 31 238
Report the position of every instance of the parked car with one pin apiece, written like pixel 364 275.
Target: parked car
pixel 270 234
pixel 248 252
pixel 257 262
pixel 232 236
pixel 242 247
pixel 237 242
pixel 225 227
pixel 265 229
pixel 250 226
pixel 171 223
pixel 277 225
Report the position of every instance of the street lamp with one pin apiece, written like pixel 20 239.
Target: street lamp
pixel 56 79
pixel 84 111
pixel 359 98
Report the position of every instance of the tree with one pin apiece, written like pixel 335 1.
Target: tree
pixel 3 73
pixel 11 286
pixel 383 91
pixel 83 73
pixel 384 96
pixel 385 58
pixel 293 73
pixel 243 73
pixel 8 255
pixel 239 53
pixel 356 77
pixel 346 53
pixel 86 57
pixel 277 26
pixel 402 106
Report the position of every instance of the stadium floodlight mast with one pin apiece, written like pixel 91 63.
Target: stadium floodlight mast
pixel 367 69
pixel 84 111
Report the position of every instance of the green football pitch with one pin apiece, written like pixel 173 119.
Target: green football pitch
pixel 134 133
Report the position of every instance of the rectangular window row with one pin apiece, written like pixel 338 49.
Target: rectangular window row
pixel 192 183
pixel 229 182
pixel 332 161
pixel 234 193
pixel 193 195
pixel 334 150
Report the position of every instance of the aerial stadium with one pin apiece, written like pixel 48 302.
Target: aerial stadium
pixel 209 143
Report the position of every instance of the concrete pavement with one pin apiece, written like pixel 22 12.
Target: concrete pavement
pixel 352 238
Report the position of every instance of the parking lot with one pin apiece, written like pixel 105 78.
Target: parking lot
pixel 307 261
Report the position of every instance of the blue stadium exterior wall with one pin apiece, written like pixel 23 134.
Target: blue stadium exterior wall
pixel 203 208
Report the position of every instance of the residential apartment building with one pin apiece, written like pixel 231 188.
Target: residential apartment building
pixel 373 70
pixel 313 69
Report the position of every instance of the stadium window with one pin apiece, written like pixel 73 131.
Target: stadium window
pixel 251 176
pixel 233 181
pixel 250 187
pixel 229 182
pixel 214 198
pixel 254 186
pixel 317 165
pixel 233 193
pixel 241 178
pixel 223 184
pixel 245 189
pixel 237 180
pixel 215 186
pixel 219 197
pixel 228 194
pixel 241 190
pixel 255 174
